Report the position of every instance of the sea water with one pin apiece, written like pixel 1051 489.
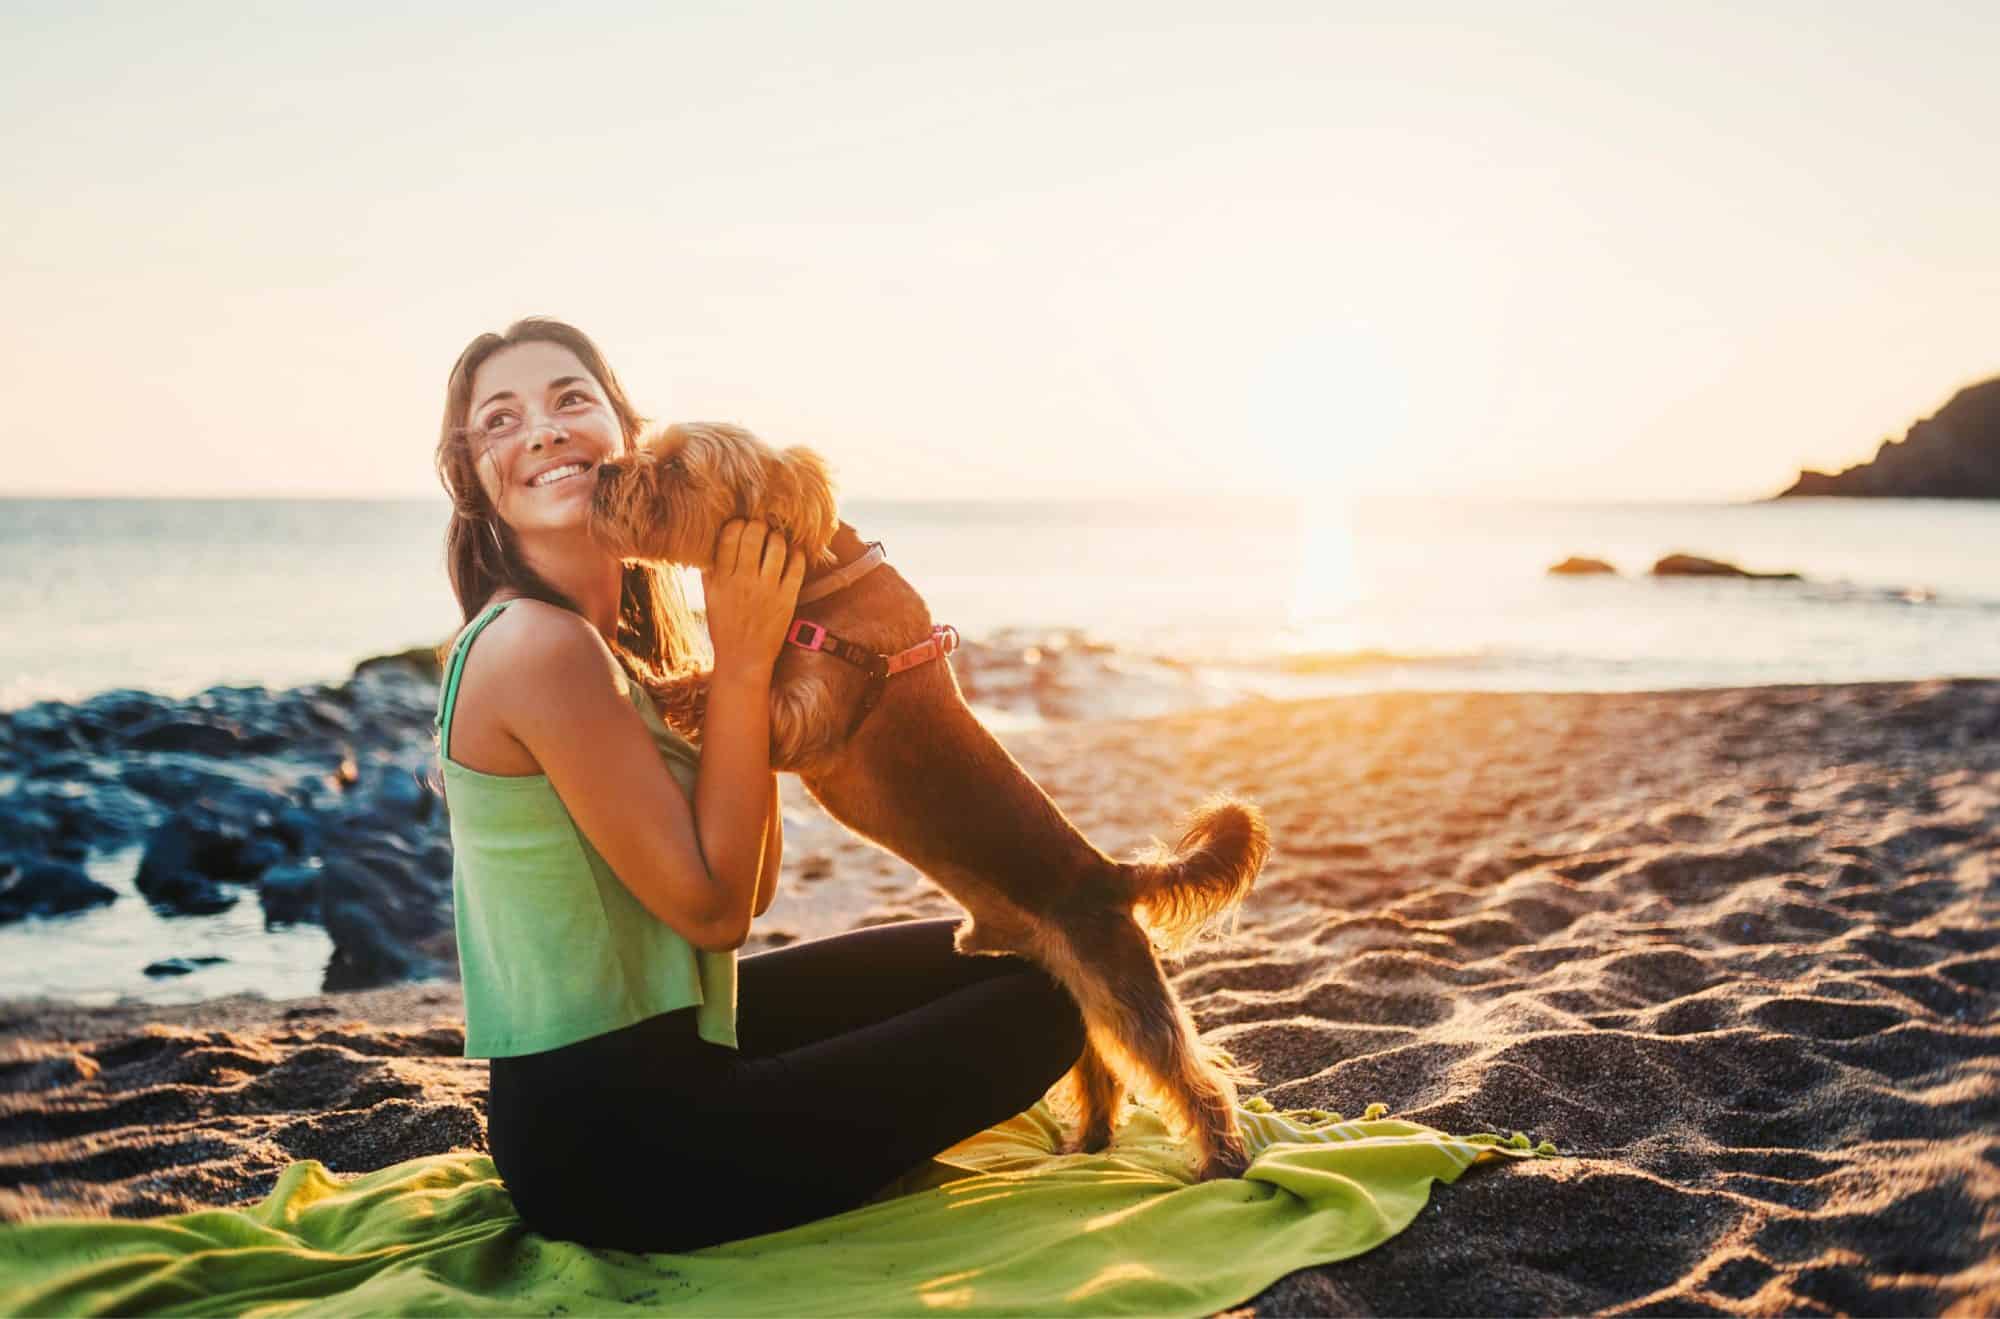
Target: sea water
pixel 1279 597
pixel 1286 596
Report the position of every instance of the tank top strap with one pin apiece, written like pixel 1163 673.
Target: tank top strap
pixel 454 666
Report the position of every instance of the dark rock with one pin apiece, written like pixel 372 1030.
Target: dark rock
pixel 180 966
pixel 242 784
pixel 297 828
pixel 87 813
pixel 47 728
pixel 175 782
pixel 330 714
pixel 1691 565
pixel 1953 454
pixel 97 723
pixel 194 840
pixel 187 894
pixel 1577 567
pixel 25 826
pixel 201 735
pixel 232 839
pixel 47 888
pixel 259 855
pixel 380 914
pixel 396 796
pixel 290 893
pixel 69 849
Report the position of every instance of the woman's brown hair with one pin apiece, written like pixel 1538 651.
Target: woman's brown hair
pixel 657 636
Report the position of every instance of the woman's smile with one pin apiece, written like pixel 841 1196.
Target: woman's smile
pixel 560 473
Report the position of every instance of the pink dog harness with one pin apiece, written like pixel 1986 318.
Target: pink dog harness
pixel 808 635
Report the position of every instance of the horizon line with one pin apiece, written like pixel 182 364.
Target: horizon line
pixel 1176 496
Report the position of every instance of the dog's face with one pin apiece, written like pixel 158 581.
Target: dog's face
pixel 668 501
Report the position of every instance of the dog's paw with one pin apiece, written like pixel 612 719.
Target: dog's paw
pixel 1224 1162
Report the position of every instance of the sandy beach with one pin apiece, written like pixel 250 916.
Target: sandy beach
pixel 1733 951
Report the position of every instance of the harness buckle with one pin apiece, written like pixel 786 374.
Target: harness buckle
pixel 806 634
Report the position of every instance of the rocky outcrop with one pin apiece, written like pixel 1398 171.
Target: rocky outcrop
pixel 320 801
pixel 1954 454
pixel 1693 565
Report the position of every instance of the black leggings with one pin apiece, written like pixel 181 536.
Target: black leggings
pixel 861 1056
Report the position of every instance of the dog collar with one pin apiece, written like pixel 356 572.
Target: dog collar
pixel 846 575
pixel 808 635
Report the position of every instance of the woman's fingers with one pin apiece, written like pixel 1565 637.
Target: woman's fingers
pixel 728 543
pixel 772 566
pixel 740 545
pixel 750 550
pixel 751 547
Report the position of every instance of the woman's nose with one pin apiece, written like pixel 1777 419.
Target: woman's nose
pixel 545 433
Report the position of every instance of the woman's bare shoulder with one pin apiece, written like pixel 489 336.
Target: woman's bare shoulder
pixel 528 654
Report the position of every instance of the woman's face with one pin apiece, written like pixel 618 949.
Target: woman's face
pixel 539 426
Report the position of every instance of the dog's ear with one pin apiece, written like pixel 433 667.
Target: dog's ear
pixel 811 510
pixel 661 438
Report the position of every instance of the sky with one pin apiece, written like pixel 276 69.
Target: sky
pixel 1556 251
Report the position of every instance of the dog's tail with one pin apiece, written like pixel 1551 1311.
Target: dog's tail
pixel 1179 891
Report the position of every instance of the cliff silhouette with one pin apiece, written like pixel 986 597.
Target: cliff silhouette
pixel 1953 454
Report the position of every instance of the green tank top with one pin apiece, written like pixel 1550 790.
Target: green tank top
pixel 552 947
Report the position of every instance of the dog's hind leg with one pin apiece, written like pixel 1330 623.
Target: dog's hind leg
pixel 1099 1094
pixel 1111 969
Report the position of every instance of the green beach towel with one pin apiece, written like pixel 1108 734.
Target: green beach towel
pixel 999 1224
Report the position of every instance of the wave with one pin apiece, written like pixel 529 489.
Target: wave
pixel 1353 661
pixel 1017 677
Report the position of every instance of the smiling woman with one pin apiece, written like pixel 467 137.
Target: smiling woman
pixel 605 870
pixel 517 405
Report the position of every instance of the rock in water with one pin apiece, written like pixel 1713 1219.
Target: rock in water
pixel 1579 567
pixel 180 966
pixel 188 894
pixel 48 888
pixel 1693 565
pixel 385 920
pixel 290 893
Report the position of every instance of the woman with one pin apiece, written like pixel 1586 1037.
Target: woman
pixel 648 1091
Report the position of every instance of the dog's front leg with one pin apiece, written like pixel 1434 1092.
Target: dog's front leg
pixel 806 723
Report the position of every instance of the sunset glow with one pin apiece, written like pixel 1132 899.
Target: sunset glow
pixel 1545 251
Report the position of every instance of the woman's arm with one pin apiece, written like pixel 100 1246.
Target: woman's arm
pixel 774 853
pixel 750 592
pixel 695 867
pixel 560 694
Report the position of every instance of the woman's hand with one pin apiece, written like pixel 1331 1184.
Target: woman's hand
pixel 750 590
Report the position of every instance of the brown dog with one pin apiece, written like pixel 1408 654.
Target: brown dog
pixel 902 761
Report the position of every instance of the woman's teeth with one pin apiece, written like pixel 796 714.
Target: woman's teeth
pixel 556 474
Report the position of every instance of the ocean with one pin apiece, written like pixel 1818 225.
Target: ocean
pixel 1279 597
pixel 1194 603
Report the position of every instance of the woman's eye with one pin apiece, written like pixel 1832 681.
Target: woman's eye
pixel 496 422
pixel 576 394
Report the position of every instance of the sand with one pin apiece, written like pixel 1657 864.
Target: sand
pixel 1734 952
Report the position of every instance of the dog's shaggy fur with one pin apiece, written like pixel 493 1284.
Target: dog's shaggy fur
pixel 923 778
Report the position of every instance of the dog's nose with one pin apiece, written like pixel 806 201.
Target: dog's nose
pixel 607 472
